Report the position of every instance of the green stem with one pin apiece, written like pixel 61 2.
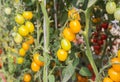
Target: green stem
pixel 46 41
pixel 86 38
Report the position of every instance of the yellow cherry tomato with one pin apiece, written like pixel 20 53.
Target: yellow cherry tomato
pixel 73 14
pixel 20 60
pixel 29 25
pixel 22 52
pixel 68 34
pixel 19 19
pixel 35 67
pixel 27 77
pixel 28 15
pixel 62 55
pixel 37 60
pixel 25 46
pixel 65 44
pixel 23 31
pixel 30 40
pixel 75 26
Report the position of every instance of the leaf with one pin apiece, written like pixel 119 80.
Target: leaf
pixel 76 62
pixel 41 58
pixel 68 72
pixel 51 78
pixel 84 71
pixel 91 2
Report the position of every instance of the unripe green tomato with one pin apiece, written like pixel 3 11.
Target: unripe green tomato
pixel 18 38
pixel 110 7
pixel 65 44
pixel 117 14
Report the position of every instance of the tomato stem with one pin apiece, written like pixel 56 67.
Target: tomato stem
pixel 46 40
pixel 86 38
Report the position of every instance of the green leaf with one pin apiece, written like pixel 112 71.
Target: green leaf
pixel 41 58
pixel 68 72
pixel 51 78
pixel 76 62
pixel 91 2
pixel 84 71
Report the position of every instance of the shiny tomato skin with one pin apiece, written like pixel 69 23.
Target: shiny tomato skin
pixel 62 55
pixel 68 34
pixel 116 67
pixel 27 77
pixel 110 7
pixel 37 60
pixel 23 31
pixel 19 19
pixel 115 76
pixel 75 26
pixel 29 25
pixel 65 44
pixel 35 67
pixel 28 15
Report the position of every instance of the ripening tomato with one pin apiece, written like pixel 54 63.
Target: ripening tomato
pixel 23 31
pixel 29 25
pixel 30 40
pixel 1 51
pixel 73 14
pixel 116 67
pixel 68 34
pixel 65 44
pixel 18 38
pixel 37 60
pixel 75 26
pixel 27 77
pixel 25 46
pixel 118 54
pixel 107 79
pixel 62 55
pixel 20 60
pixel 115 76
pixel 110 7
pixel 28 15
pixel 117 14
pixel 22 52
pixel 19 19
pixel 35 67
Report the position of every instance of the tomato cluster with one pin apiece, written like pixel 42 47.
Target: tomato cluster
pixel 114 71
pixel 36 63
pixel 99 37
pixel 25 30
pixel 112 9
pixel 69 34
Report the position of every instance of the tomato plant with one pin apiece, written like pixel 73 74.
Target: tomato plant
pixel 59 41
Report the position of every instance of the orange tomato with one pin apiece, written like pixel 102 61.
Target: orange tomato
pixel 27 77
pixel 25 45
pixel 37 60
pixel 22 52
pixel 116 67
pixel 115 76
pixel 30 40
pixel 68 34
pixel 73 14
pixel 118 54
pixel 107 79
pixel 28 15
pixel 75 26
pixel 35 67
pixel 62 55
